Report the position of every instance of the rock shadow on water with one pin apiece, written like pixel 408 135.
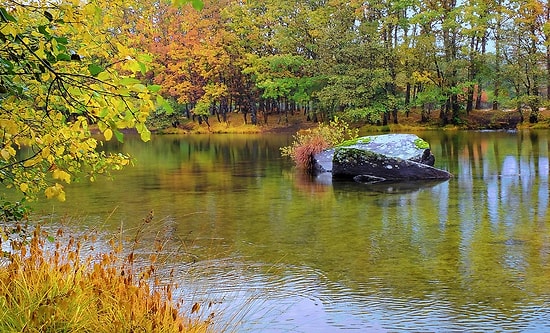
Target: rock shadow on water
pixel 386 187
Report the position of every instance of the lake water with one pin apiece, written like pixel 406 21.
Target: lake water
pixel 268 249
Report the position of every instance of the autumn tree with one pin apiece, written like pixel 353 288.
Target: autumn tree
pixel 277 43
pixel 65 71
pixel 476 16
pixel 522 53
pixel 359 60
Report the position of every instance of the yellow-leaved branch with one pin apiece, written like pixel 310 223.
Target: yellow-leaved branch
pixel 66 73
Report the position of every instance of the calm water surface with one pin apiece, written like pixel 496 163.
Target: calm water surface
pixel 274 251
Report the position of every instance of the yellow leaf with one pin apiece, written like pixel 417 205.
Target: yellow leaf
pixel 45 76
pixel 5 154
pixel 24 187
pixel 104 76
pixel 145 135
pixel 142 117
pixel 62 175
pixel 45 152
pixel 9 29
pixel 138 88
pixel 55 191
pixel 61 196
pixel 102 126
pixel 29 163
pixel 133 66
pixel 91 143
pixel 50 192
pixel 108 134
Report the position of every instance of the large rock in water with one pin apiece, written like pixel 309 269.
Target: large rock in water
pixel 389 157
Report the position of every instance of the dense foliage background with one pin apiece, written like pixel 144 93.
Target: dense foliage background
pixel 359 60
pixel 69 69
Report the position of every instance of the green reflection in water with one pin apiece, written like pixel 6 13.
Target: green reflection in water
pixel 478 242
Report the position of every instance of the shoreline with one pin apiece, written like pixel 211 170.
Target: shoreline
pixel 476 120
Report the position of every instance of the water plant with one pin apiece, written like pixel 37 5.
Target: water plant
pixel 309 142
pixel 53 287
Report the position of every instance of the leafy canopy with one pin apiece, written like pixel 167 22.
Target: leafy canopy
pixel 65 71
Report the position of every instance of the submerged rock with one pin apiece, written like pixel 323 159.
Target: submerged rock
pixel 389 157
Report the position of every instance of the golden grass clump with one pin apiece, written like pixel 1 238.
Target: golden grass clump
pixel 50 287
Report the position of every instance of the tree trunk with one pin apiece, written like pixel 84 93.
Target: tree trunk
pixel 496 89
pixel 385 118
pixel 408 99
pixel 470 100
pixel 479 97
pixel 394 114
pixel 534 105
pixel 425 113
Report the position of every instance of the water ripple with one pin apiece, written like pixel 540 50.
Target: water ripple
pixel 252 297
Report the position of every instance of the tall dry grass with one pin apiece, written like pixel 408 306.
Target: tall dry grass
pixel 54 287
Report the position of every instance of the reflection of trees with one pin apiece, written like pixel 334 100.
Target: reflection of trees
pixel 203 162
pixel 499 226
pixel 478 238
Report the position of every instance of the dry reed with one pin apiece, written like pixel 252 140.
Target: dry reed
pixel 53 287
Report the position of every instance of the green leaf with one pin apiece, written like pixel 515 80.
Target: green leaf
pixel 6 65
pixel 198 4
pixel 168 108
pixel 179 3
pixel 62 40
pixel 143 57
pixel 164 104
pixel 6 16
pixel 61 48
pixel 104 112
pixel 154 88
pixel 119 136
pixel 95 69
pixel 128 81
pixel 63 57
pixel 160 100
pixel 43 30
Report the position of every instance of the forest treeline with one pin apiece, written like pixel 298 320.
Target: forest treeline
pixel 366 61
pixel 71 69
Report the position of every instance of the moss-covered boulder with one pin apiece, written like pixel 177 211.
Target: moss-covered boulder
pixel 381 157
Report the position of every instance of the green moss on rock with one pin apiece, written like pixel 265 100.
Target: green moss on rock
pixel 421 144
pixel 361 140
pixel 352 155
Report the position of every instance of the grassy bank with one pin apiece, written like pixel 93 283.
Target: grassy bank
pixel 53 287
pixel 475 120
